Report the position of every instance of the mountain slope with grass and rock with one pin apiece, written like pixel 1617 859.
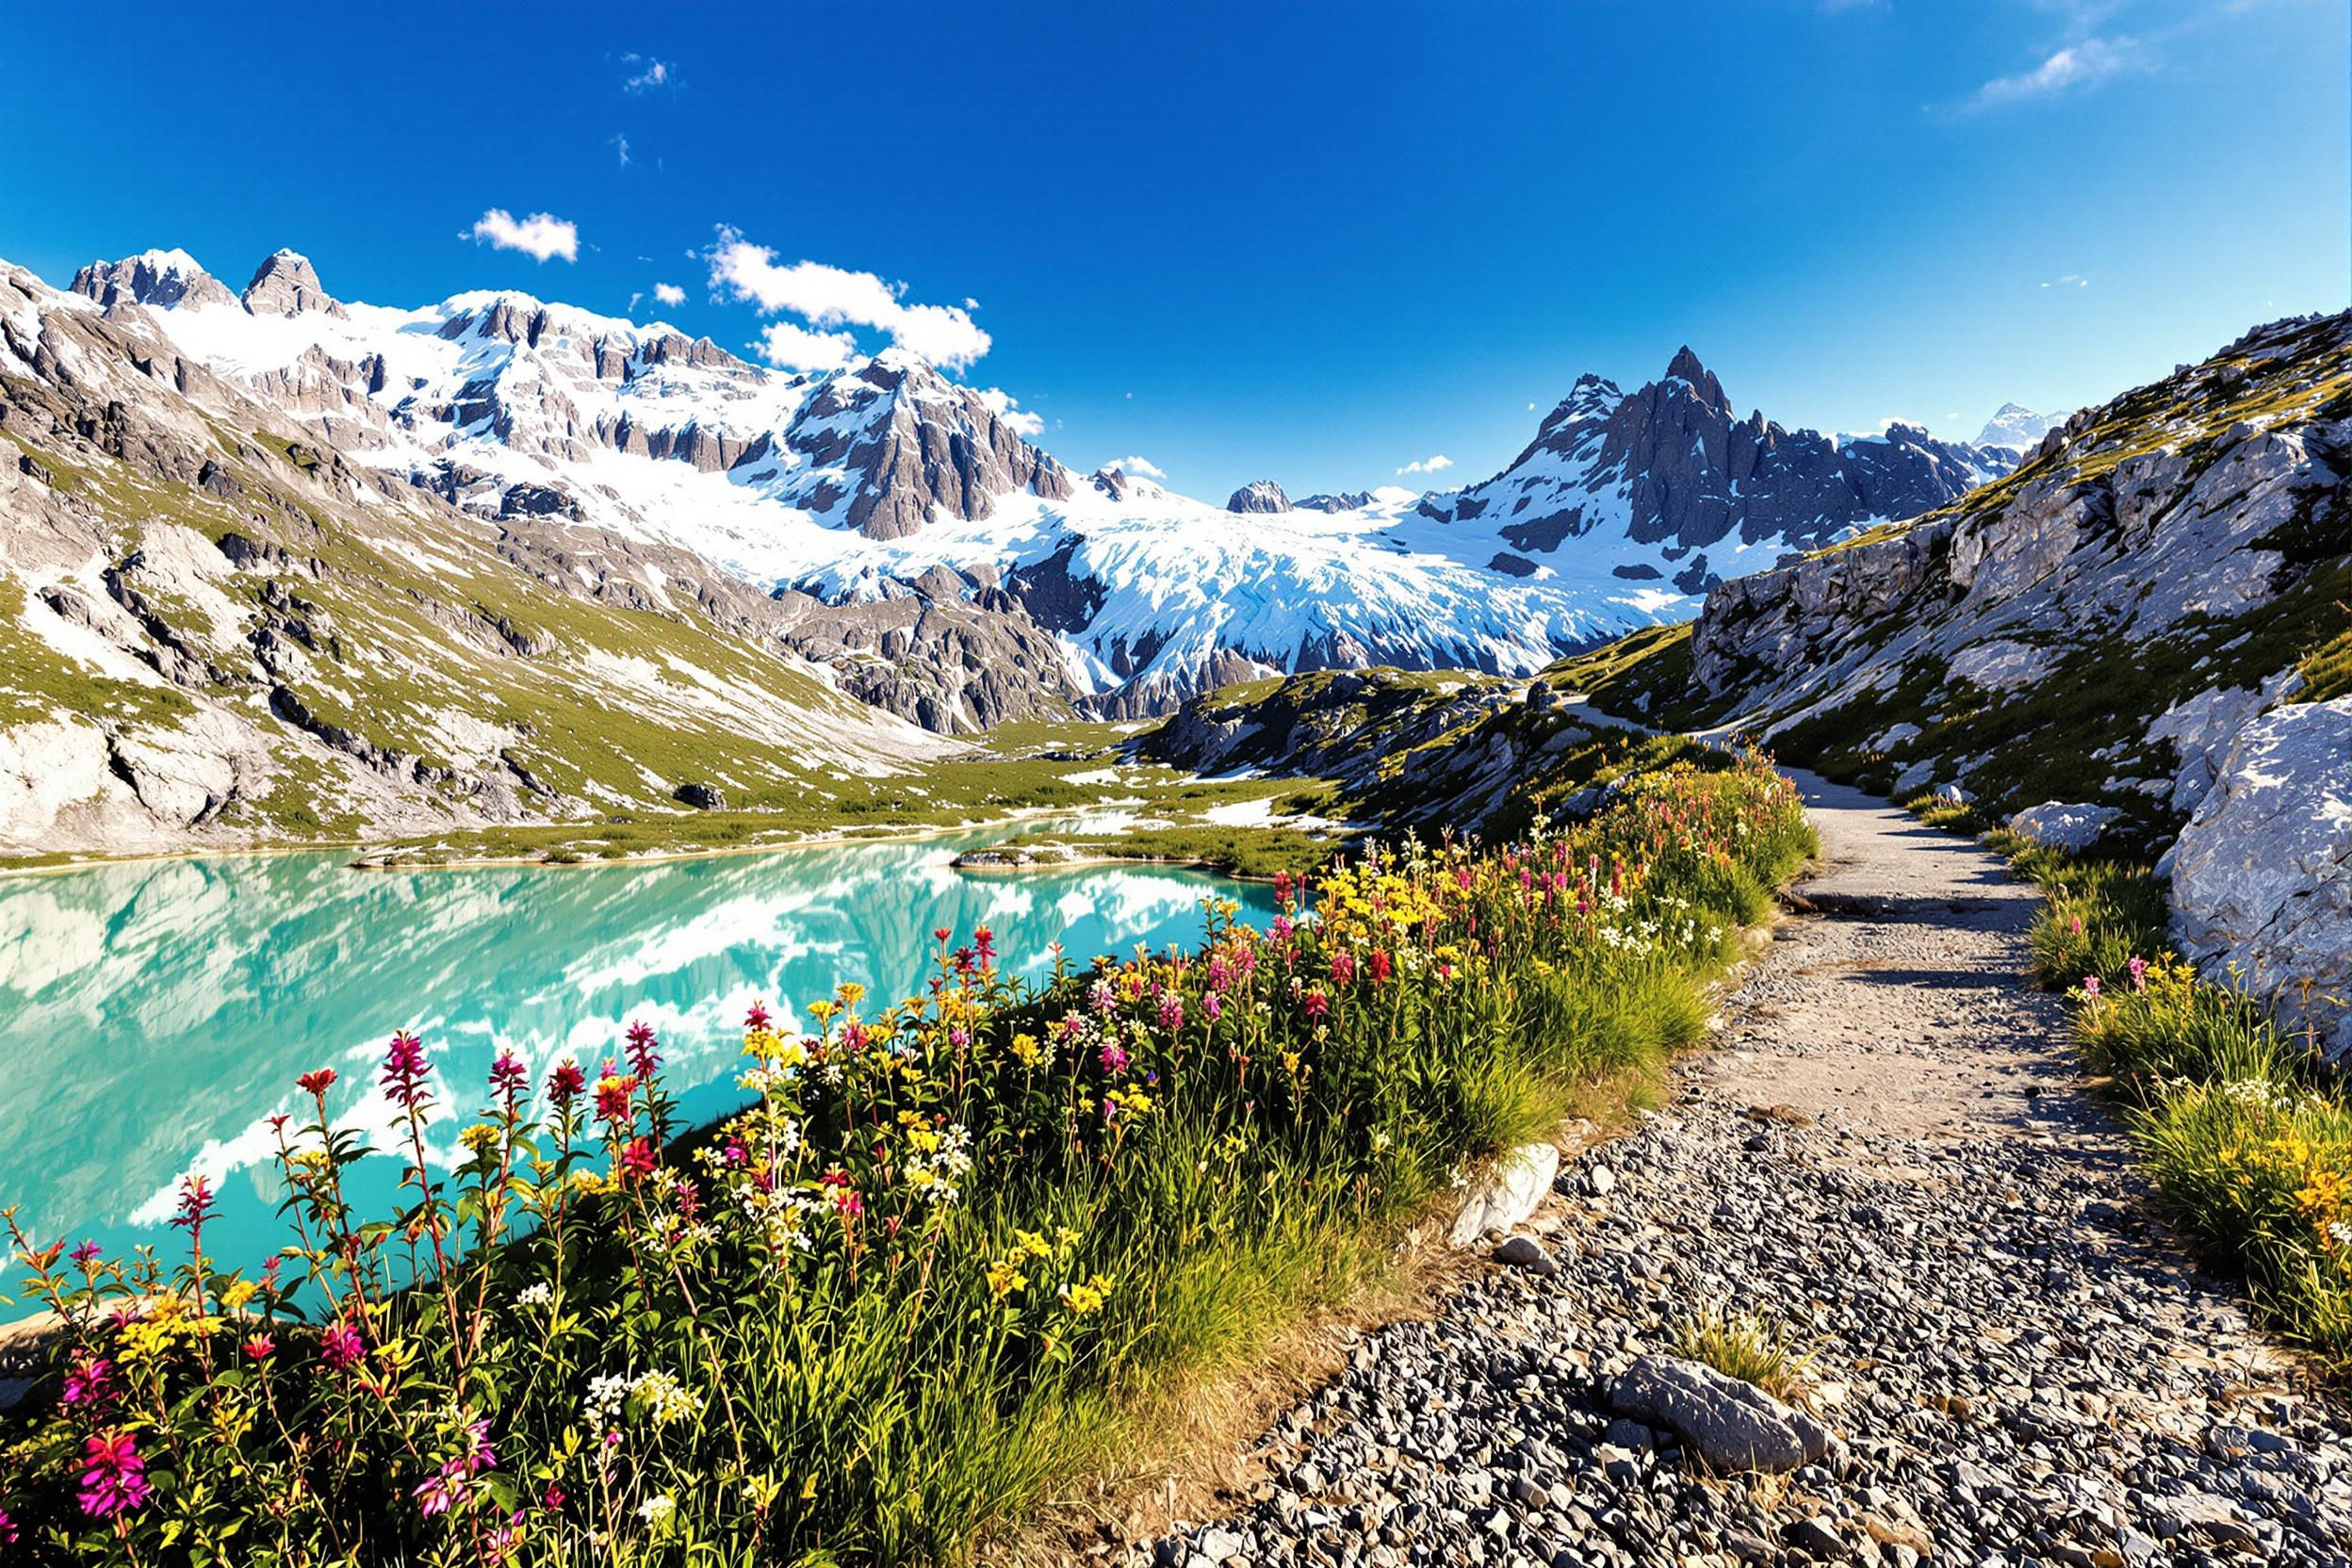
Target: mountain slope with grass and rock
pixel 2142 638
pixel 218 629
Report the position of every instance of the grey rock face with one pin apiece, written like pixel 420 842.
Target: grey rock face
pixel 158 278
pixel 288 285
pixel 1261 495
pixel 2060 826
pixel 2261 877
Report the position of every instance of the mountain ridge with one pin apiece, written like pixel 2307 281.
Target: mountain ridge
pixel 888 472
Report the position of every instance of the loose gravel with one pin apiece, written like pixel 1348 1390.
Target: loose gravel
pixel 1887 1152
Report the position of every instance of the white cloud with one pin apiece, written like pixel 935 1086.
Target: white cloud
pixel 539 234
pixel 1436 465
pixel 790 347
pixel 835 297
pixel 1142 466
pixel 2093 59
pixel 620 145
pixel 645 73
pixel 2072 280
pixel 1018 419
pixel 669 294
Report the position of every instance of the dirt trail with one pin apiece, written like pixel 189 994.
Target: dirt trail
pixel 1889 1153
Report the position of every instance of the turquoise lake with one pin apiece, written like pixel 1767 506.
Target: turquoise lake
pixel 152 1015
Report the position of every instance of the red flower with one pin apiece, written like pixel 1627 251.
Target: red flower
pixel 260 1347
pixel 759 1018
pixel 406 1071
pixel 637 1158
pixel 567 1083
pixel 316 1083
pixel 643 1050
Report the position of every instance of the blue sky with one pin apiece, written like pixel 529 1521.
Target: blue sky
pixel 1315 242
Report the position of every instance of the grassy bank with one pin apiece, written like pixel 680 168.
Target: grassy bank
pixel 952 1248
pixel 2247 1135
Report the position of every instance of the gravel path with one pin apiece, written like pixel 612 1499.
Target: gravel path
pixel 1889 1153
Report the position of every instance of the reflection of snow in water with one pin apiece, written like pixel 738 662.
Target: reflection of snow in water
pixel 164 1009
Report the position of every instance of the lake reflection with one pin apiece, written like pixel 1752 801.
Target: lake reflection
pixel 152 1015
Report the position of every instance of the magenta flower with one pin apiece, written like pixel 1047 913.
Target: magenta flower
pixel 509 1078
pixel 759 1017
pixel 116 1479
pixel 86 1253
pixel 2139 973
pixel 406 1071
pixel 341 1348
pixel 2090 987
pixel 89 1382
pixel 196 1202
pixel 1114 1059
pixel 1214 1006
pixel 643 1050
pixel 1318 1004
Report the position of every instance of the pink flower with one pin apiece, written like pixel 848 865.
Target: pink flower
pixel 1342 967
pixel 2139 973
pixel 86 1253
pixel 116 1481
pixel 1282 929
pixel 1214 1006
pixel 1171 1011
pixel 341 1348
pixel 759 1017
pixel 1318 1004
pixel 260 1347
pixel 1114 1059
pixel 2090 987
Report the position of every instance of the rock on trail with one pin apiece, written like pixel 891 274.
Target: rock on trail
pixel 1889 1153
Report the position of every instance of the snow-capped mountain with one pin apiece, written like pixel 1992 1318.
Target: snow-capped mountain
pixel 886 484
pixel 2017 427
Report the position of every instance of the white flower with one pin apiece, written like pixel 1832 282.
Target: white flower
pixel 537 1295
pixel 657 1508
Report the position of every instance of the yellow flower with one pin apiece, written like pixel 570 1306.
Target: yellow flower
pixel 481 1139
pixel 1025 1049
pixel 239 1293
pixel 1004 1277
pixel 1031 1244
pixel 1084 1299
pixel 852 993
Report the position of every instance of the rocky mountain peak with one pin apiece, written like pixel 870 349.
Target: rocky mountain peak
pixel 160 279
pixel 1260 495
pixel 1686 366
pixel 288 285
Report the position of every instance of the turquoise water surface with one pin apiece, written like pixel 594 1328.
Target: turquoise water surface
pixel 152 1015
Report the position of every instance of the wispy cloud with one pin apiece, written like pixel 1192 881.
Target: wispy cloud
pixel 645 73
pixel 2072 280
pixel 830 297
pixel 1436 465
pixel 540 235
pixel 1144 466
pixel 620 145
pixel 792 347
pixel 2079 64
pixel 669 294
pixel 1020 421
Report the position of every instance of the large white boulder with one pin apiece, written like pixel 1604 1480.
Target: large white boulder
pixel 1505 1193
pixel 2261 877
pixel 2063 827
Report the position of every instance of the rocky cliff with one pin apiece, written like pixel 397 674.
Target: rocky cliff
pixel 2145 625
